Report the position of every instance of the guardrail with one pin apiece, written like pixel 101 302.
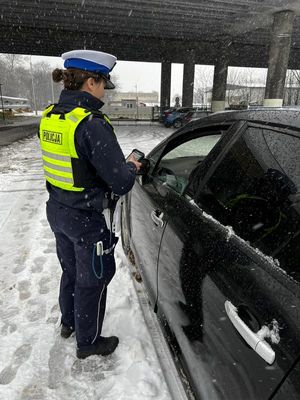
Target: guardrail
pixel 10 133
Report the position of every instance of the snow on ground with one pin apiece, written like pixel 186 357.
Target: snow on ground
pixel 35 362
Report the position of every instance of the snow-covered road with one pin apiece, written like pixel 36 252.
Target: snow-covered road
pixel 35 362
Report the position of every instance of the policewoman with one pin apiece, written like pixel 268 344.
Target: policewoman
pixel 85 171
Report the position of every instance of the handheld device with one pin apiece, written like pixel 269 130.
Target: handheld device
pixel 139 155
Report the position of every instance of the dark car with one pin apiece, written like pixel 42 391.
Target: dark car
pixel 181 116
pixel 214 228
pixel 190 116
pixel 165 114
pixel 173 117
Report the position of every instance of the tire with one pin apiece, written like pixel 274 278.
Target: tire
pixel 124 232
pixel 125 239
pixel 177 123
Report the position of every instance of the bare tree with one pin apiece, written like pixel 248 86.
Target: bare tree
pixel 15 75
pixel 296 74
pixel 233 80
pixel 245 85
pixel 292 88
pixel 43 85
pixel 12 61
pixel 203 83
pixel 109 95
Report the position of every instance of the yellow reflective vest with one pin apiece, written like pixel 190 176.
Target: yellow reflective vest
pixel 57 139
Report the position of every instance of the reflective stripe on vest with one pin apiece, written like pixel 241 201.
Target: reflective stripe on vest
pixel 58 178
pixel 57 138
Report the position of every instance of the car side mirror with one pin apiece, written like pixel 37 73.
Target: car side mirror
pixel 145 167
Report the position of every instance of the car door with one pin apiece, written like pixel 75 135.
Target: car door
pixel 232 308
pixel 148 197
pixel 290 387
pixel 147 203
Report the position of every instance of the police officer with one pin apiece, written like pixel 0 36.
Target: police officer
pixel 84 169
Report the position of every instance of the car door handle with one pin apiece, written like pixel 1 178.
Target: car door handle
pixel 260 346
pixel 156 217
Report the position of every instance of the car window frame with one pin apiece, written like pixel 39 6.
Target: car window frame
pixel 284 130
pixel 184 130
pixel 232 134
pixel 242 126
pixel 180 139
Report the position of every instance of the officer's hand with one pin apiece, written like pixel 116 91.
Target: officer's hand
pixel 132 159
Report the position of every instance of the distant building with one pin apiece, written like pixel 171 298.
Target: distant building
pixel 131 105
pixel 128 103
pixel 254 95
pixel 131 99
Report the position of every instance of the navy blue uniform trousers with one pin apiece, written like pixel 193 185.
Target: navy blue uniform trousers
pixel 84 280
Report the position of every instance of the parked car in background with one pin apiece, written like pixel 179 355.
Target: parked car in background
pixel 181 116
pixel 175 115
pixel 190 116
pixel 165 113
pixel 214 228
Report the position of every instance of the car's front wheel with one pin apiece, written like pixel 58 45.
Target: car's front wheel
pixel 177 123
pixel 125 238
pixel 124 232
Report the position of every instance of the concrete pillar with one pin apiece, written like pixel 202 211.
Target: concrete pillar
pixel 278 58
pixel 219 85
pixel 165 85
pixel 188 84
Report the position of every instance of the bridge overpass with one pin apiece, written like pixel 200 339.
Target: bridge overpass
pixel 248 33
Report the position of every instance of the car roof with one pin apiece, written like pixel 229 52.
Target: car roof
pixel 185 108
pixel 272 116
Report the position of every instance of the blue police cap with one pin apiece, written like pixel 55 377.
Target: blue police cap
pixel 91 60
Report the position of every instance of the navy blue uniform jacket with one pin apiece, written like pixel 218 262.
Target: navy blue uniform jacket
pixel 96 142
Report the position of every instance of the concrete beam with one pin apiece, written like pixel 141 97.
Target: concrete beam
pixel 46 42
pixel 165 85
pixel 278 58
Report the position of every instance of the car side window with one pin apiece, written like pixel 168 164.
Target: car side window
pixel 176 165
pixel 255 189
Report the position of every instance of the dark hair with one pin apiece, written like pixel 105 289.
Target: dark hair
pixel 72 78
